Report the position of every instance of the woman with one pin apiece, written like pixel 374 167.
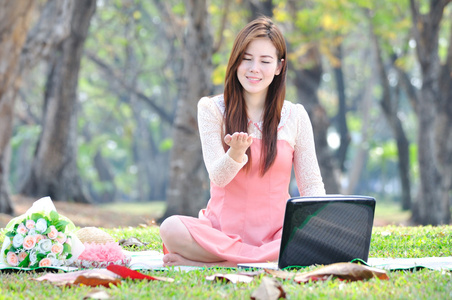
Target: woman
pixel 251 137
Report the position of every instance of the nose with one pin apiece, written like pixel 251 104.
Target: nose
pixel 254 66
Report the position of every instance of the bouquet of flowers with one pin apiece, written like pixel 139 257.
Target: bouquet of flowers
pixel 40 238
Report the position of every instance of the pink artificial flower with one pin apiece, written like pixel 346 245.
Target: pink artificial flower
pixel 61 237
pixel 22 229
pixel 109 252
pixel 22 255
pixel 29 242
pixel 12 259
pixel 45 262
pixel 30 224
pixel 53 234
pixel 39 237
pixel 57 248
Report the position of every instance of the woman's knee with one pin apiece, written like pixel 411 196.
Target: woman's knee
pixel 172 229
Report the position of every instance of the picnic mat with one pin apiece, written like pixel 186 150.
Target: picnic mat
pixel 395 264
pixel 140 260
pixel 152 260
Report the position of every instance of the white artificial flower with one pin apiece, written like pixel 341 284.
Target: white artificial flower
pixel 45 245
pixel 18 240
pixel 33 256
pixel 41 225
pixel 54 259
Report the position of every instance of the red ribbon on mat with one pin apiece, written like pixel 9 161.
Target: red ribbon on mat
pixel 125 272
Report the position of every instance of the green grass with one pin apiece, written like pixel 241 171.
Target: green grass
pixel 389 241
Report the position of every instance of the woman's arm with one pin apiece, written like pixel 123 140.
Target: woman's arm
pixel 307 171
pixel 220 166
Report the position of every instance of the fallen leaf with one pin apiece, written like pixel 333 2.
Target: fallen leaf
pixel 132 242
pixel 96 280
pixel 269 289
pixel 125 272
pixel 69 278
pixel 97 294
pixel 233 278
pixel 345 271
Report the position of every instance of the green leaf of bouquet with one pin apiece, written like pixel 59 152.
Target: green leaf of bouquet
pixel 69 256
pixel 10 234
pixel 54 216
pixel 36 216
pixel 61 225
pixel 11 248
pixel 40 256
pixel 25 262
pixel 47 231
pixel 67 248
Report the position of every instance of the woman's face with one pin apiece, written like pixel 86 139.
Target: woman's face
pixel 259 67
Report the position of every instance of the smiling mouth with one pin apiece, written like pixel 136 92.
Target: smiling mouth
pixel 254 79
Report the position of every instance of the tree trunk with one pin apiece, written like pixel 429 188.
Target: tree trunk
pixel 432 205
pixel 260 8
pixel 307 80
pixel 390 110
pixel 341 119
pixel 359 160
pixel 185 194
pixel 443 125
pixel 15 19
pixel 54 170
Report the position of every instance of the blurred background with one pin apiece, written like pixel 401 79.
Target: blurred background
pixel 98 98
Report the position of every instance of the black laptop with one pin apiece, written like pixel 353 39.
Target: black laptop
pixel 326 229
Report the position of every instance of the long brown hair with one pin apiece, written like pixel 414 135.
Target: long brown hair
pixel 236 118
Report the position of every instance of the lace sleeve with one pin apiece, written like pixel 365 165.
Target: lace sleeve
pixel 220 166
pixel 307 171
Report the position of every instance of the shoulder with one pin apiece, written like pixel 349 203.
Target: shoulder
pixel 292 112
pixel 294 108
pixel 212 103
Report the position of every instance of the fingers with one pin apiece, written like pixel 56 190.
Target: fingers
pixel 228 139
pixel 238 140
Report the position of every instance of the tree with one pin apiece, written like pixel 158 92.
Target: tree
pixel 389 106
pixel 434 117
pixel 185 193
pixel 306 64
pixel 54 170
pixel 15 20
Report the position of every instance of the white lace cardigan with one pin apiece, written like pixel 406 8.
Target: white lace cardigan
pixel 294 127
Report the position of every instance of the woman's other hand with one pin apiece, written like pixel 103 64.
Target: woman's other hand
pixel 238 143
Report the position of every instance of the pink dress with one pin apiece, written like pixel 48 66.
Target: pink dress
pixel 243 219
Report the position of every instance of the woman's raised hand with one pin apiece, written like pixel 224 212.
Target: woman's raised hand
pixel 238 143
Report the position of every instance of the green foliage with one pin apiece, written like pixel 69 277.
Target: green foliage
pixel 133 48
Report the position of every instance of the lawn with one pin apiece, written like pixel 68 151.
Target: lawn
pixel 388 241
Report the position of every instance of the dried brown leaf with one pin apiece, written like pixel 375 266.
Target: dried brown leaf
pixel 234 278
pixel 269 289
pixel 96 280
pixel 69 278
pixel 132 242
pixel 344 271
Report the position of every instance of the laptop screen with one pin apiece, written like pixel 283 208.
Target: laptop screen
pixel 326 230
